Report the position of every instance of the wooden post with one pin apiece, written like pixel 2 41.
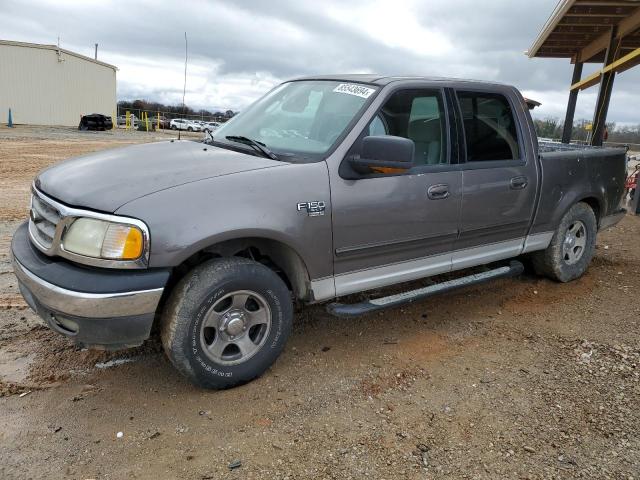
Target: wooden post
pixel 604 93
pixel 571 105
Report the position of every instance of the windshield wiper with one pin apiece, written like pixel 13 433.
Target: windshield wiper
pixel 259 146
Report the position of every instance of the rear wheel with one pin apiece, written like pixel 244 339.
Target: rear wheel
pixel 572 247
pixel 226 322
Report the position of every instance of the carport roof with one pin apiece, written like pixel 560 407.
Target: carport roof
pixel 580 29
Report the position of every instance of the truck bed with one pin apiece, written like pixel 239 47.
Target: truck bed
pixel 548 146
pixel 572 173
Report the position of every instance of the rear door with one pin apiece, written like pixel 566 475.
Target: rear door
pixel 393 227
pixel 499 178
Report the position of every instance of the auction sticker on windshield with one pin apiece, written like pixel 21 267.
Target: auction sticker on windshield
pixel 353 89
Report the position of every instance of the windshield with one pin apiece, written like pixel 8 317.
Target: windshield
pixel 303 118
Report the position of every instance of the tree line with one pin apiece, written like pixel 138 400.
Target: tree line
pixel 172 111
pixel 551 127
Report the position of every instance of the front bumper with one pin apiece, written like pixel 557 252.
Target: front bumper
pixel 112 308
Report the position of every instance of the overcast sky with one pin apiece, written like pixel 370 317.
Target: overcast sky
pixel 238 50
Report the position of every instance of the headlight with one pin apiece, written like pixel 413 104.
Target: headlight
pixel 102 239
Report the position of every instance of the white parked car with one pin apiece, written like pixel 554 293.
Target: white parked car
pixel 122 120
pixel 184 124
pixel 209 127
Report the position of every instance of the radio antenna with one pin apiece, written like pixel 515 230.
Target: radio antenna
pixel 184 89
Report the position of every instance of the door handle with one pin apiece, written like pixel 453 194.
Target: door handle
pixel 438 192
pixel 518 183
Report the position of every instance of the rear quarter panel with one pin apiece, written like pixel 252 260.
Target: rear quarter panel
pixel 571 176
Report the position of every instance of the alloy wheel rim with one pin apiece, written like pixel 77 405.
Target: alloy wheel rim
pixel 575 243
pixel 235 327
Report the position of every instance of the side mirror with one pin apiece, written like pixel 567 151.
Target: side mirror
pixel 384 154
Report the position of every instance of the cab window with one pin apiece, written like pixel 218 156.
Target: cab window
pixel 419 116
pixel 489 127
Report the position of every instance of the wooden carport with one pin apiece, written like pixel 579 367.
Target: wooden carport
pixel 591 31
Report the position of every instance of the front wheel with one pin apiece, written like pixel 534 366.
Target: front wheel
pixel 226 322
pixel 572 247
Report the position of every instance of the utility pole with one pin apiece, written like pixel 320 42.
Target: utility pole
pixel 95 56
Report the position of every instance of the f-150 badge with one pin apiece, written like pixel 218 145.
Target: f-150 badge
pixel 313 209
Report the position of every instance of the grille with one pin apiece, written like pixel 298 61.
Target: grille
pixel 43 221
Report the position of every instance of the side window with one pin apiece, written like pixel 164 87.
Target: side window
pixel 419 116
pixel 489 127
pixel 377 127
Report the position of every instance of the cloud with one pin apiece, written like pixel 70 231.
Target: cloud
pixel 398 28
pixel 239 50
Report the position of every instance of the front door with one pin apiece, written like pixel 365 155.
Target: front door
pixel 391 227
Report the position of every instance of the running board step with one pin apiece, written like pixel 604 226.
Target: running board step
pixel 356 309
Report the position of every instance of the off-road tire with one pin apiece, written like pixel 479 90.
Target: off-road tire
pixel 551 262
pixel 196 294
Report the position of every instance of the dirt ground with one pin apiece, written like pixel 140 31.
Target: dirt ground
pixel 521 379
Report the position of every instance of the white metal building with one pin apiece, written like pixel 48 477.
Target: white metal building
pixel 47 85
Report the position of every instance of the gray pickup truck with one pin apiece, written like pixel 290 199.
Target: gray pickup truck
pixel 324 187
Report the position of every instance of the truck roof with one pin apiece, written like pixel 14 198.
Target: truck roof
pixel 382 80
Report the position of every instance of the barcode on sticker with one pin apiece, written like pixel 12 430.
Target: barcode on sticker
pixel 353 89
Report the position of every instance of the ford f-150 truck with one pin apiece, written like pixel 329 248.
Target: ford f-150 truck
pixel 324 187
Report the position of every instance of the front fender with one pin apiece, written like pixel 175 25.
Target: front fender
pixel 262 203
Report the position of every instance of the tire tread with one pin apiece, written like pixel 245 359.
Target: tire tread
pixel 185 298
pixel 549 262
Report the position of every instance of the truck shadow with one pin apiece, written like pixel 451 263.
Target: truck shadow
pixel 430 330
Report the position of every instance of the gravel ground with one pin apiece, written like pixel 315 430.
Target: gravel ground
pixel 522 379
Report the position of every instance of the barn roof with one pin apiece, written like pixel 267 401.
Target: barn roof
pixel 57 49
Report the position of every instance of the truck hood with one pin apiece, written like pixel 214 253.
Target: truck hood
pixel 107 180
